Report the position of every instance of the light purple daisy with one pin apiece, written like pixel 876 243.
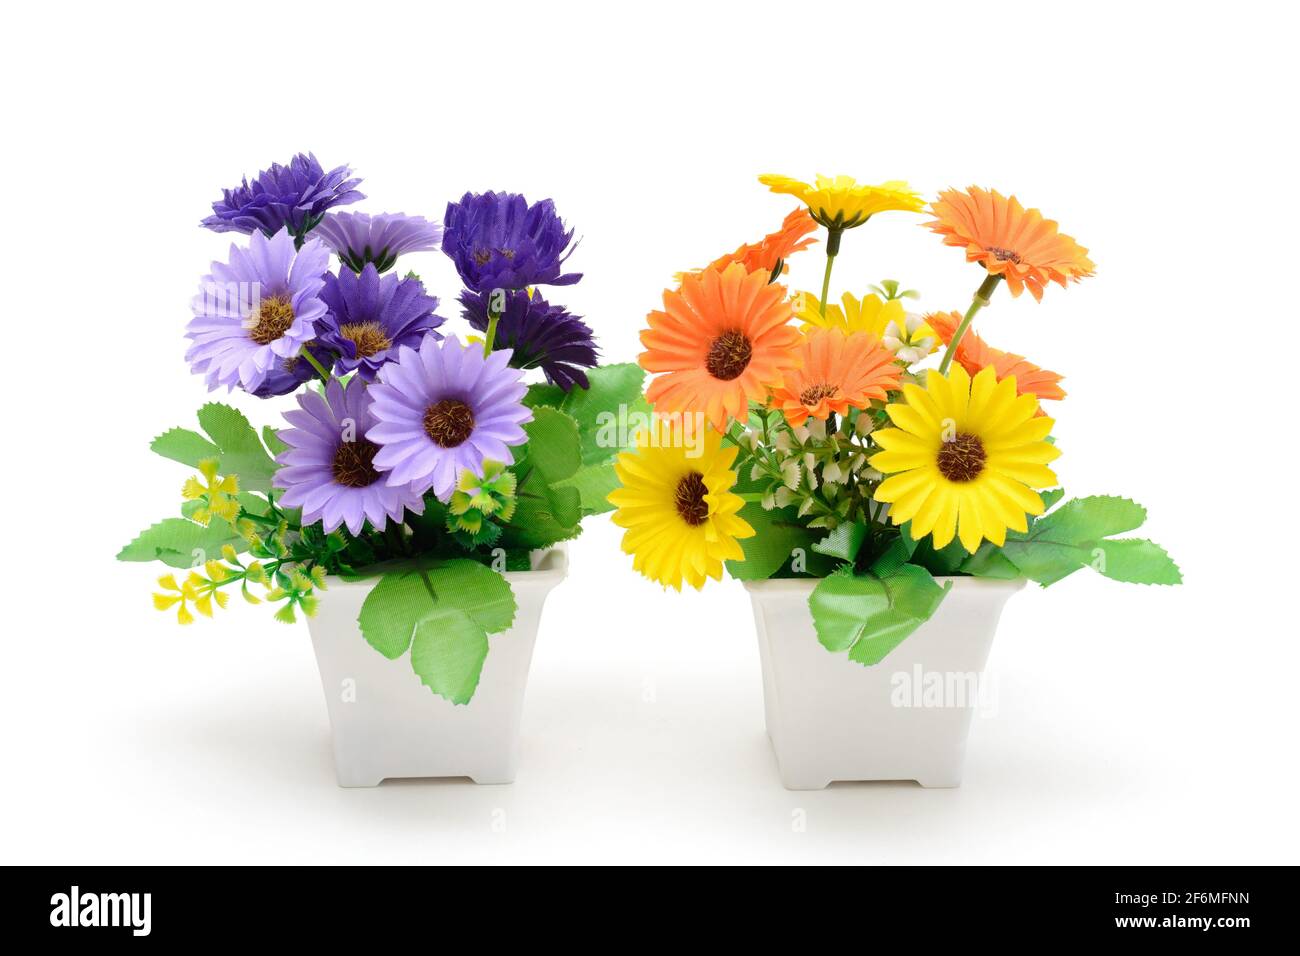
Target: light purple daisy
pixel 257 310
pixel 358 238
pixel 444 409
pixel 329 469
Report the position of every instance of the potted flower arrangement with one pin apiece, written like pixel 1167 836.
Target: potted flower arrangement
pixel 879 508
pixel 413 500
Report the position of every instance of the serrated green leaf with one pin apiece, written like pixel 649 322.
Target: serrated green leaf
pixel 612 387
pixel 242 452
pixel 593 484
pixel 779 533
pixel 869 615
pixel 185 446
pixel 943 561
pixel 1051 497
pixel 1081 520
pixel 553 450
pixel 271 438
pixel 1135 561
pixel 180 543
pixel 844 541
pixel 989 562
pixel 448 653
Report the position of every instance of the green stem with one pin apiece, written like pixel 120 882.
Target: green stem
pixel 980 300
pixel 826 279
pixel 311 359
pixel 490 336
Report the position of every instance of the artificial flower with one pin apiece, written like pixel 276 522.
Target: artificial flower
pixel 538 334
pixel 964 458
pixel 290 374
pixel 184 595
pixel 444 409
pixel 911 340
pixel 328 470
pixel 370 316
pixel 973 354
pixel 215 494
pixel 835 372
pixel 841 202
pixel 681 516
pixel 498 241
pixel 478 498
pixel 722 338
pixel 871 313
pixel 358 238
pixel 769 253
pixel 256 310
pixel 293 196
pixel 1009 240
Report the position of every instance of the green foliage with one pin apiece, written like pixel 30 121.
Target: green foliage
pixel 241 451
pixel 612 387
pixel 185 446
pixel 547 511
pixel 843 542
pixel 871 613
pixel 771 552
pixel 444 614
pixel 1075 535
pixel 181 543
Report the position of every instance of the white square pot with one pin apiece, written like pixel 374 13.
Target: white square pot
pixel 386 723
pixel 830 718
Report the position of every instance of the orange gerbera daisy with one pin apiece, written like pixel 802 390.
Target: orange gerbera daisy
pixel 835 371
pixel 973 354
pixel 1009 240
pixel 722 339
pixel 770 253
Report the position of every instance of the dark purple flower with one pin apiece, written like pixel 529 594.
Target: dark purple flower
pixel 371 315
pixel 358 237
pixel 542 335
pixel 498 241
pixel 295 196
pixel 288 374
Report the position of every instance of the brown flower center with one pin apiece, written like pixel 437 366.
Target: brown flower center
pixel 1002 255
pixel 272 319
pixel 448 422
pixel 353 464
pixel 368 337
pixel 482 256
pixel 729 355
pixel 690 499
pixel 813 394
pixel 962 459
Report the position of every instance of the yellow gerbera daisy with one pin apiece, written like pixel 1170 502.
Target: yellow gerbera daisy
pixel 841 202
pixel 678 508
pixel 871 313
pixel 965 458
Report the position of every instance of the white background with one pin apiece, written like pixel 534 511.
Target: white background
pixel 1133 724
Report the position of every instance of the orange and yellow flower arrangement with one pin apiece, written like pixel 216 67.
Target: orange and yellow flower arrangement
pixel 882 451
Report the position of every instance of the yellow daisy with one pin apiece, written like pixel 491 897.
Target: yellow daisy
pixel 841 202
pixel 871 313
pixel 678 508
pixel 965 458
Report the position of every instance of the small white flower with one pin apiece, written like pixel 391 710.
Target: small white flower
pixel 783 497
pixel 864 425
pixel 805 506
pixel 783 441
pixel 831 473
pixel 809 460
pixel 817 428
pixel 756 472
pixel 769 501
pixel 790 474
pixel 800 433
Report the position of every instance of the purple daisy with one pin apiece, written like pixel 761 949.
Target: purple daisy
pixel 287 376
pixel 371 316
pixel 358 238
pixel 294 196
pixel 498 241
pixel 328 470
pixel 257 310
pixel 444 409
pixel 539 335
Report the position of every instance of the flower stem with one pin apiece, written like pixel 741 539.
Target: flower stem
pixel 980 300
pixel 311 360
pixel 490 336
pixel 826 279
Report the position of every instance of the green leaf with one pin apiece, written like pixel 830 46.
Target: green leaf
pixel 596 409
pixel 844 541
pixel 1051 497
pixel 771 552
pixel 553 449
pixel 1081 520
pixel 943 561
pixel 547 512
pixel 989 562
pixel 242 452
pixel 180 543
pixel 868 614
pixel 448 653
pixel 594 483
pixel 185 446
pixel 401 599
pixel 1045 561
pixel 271 438
pixel 1136 561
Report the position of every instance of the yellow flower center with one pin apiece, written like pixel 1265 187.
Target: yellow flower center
pixel 272 319
pixel 368 337
pixel 961 459
pixel 729 355
pixel 690 499
pixel 353 464
pixel 449 422
pixel 813 394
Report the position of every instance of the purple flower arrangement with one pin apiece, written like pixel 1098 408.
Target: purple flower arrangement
pixel 408 448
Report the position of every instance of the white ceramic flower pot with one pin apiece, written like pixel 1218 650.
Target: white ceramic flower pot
pixel 386 723
pixel 906 718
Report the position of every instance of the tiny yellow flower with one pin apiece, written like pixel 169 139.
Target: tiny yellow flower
pixel 217 495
